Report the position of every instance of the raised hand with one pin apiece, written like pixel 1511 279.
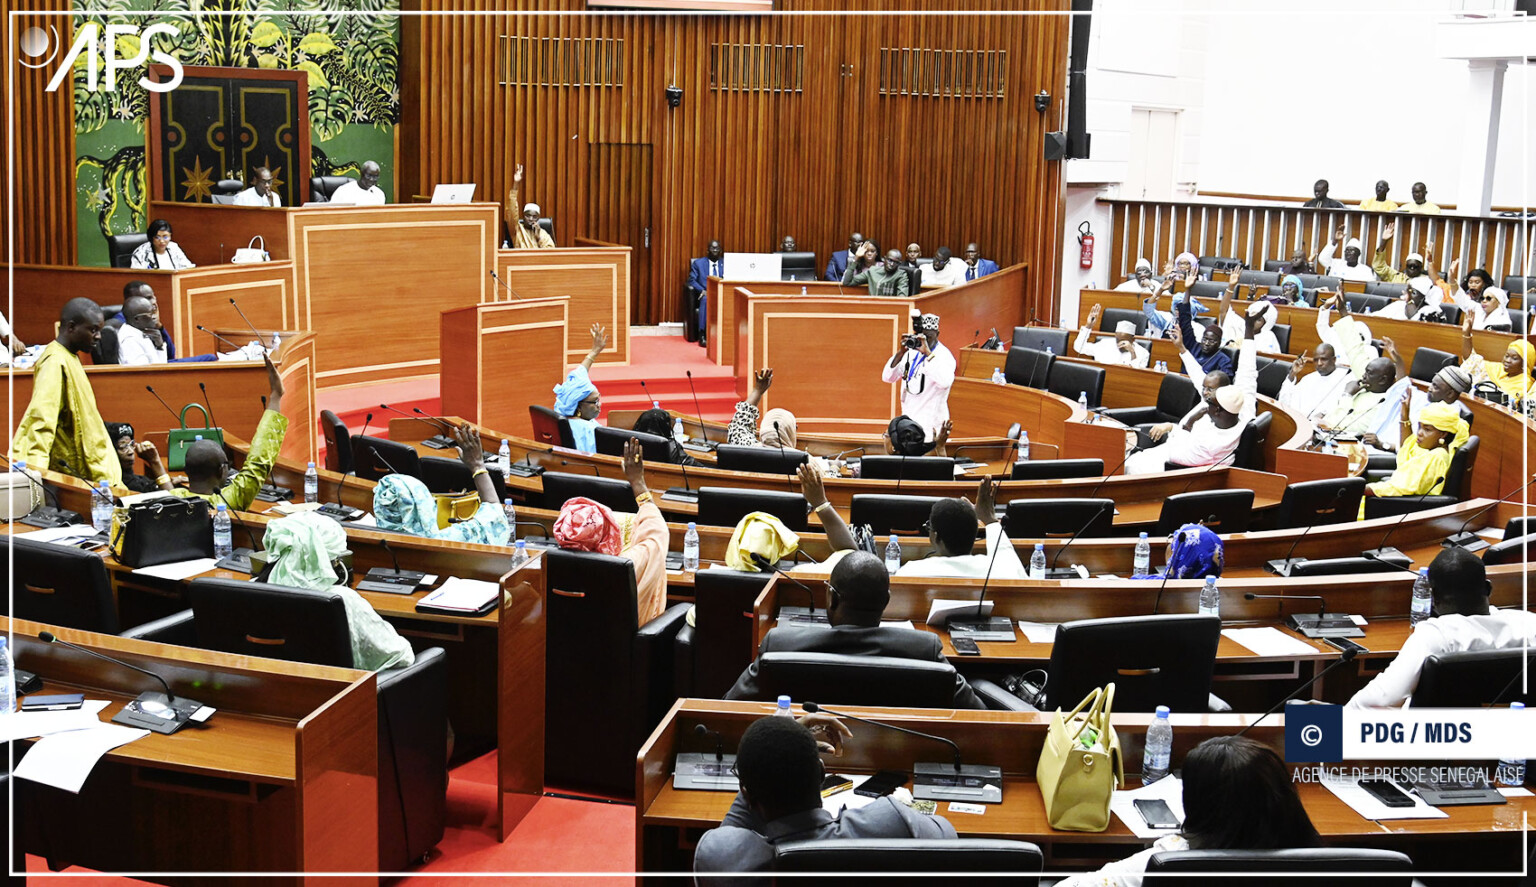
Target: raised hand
pixel 1093 316
pixel 517 176
pixel 471 453
pixel 634 466
pixel 811 486
pixel 763 380
pixel 599 338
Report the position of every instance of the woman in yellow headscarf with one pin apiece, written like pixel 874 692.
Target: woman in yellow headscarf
pixel 1424 457
pixel 1512 374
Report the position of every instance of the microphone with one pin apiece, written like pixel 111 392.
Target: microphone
pixel 778 434
pixel 592 468
pixel 1347 655
pixel 704 732
pixel 698 411
pixel 654 402
pixel 901 471
pixel 174 414
pixel 793 614
pixel 395 581
pixel 380 456
pixel 516 469
pixel 436 441
pixel 685 493
pixel 204 389
pixel 248 323
pixel 965 354
pixel 1321 625
pixel 1382 551
pixel 939 782
pixel 1283 566
pixel 219 337
pixel 497 278
pixel 339 511
pixel 984 623
pixel 45 517
pixel 1086 524
pixel 1471 541
pixel 239 560
pixel 158 712
pixel 1094 493
pixel 992 342
pixel 542 540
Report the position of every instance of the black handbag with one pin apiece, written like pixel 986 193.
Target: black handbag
pixel 162 531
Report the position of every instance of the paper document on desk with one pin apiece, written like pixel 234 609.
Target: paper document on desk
pixel 1365 804
pixel 287 508
pixel 64 760
pixel 63 535
pixel 1169 789
pixel 897 623
pixel 940 611
pixel 1269 641
pixel 178 571
pixel 469 595
pixel 1038 632
pixel 26 724
pixel 848 799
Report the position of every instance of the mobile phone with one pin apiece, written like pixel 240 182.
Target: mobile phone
pixel 965 646
pixel 1345 644
pixel 1385 792
pixel 59 702
pixel 1156 813
pixel 882 783
pixel 833 783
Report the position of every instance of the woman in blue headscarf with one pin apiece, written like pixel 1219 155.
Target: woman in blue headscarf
pixel 1289 292
pixel 577 400
pixel 403 504
pixel 1195 552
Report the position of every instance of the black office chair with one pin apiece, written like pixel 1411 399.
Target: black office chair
pixel 106 351
pixel 1259 278
pixel 1320 502
pixel 120 247
pixel 1365 303
pixel 1152 661
pixel 1510 550
pixel 653 448
pixel 1040 338
pixel 710 653
pixel 1270 868
pixel 907 468
pixel 550 428
pixel 1272 375
pixel 1224 511
pixel 1072 379
pixel 956 861
pixel 1473 679
pixel 561 486
pixel 224 192
pixel 1208 291
pixel 322 187
pixel 1027 367
pixel 726 506
pixel 1340 566
pixel 1276 264
pixel 1250 444
pixel 58 584
pixel 1221 264
pixel 1518 286
pixel 1320 282
pixel 1520 526
pixel 338 443
pixel 1282 333
pixel 1056 469
pixel 799 266
pixel 608 679
pixel 1518 322
pixel 444 475
pixel 1457 478
pixel 1428 361
pixel 764 460
pixel 374 457
pixel 836 679
pixel 1392 291
pixel 1176 396
pixel 1112 317
pixel 1039 518
pixel 887 514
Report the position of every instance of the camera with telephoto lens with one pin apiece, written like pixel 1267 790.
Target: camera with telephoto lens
pixel 913 342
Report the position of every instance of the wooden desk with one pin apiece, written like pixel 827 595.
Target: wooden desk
pixel 499 358
pixel 595 279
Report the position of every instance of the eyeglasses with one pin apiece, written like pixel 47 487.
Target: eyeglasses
pixel 163 235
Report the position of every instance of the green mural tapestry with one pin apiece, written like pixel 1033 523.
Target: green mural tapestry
pixel 349 48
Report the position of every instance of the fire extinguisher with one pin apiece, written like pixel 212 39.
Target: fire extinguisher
pixel 1085 243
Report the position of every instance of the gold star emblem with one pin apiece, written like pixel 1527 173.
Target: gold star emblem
pixel 277 172
pixel 198 185
pixel 97 199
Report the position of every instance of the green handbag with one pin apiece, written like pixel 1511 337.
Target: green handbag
pixel 181 438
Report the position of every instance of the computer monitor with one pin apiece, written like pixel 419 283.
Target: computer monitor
pixel 753 266
pixel 798 266
pixel 453 193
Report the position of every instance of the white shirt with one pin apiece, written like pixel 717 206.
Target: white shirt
pixel 1341 268
pixel 952 274
pixel 352 193
pixel 174 259
pixel 1314 395
pixel 1499 630
pixel 1232 331
pixel 1204 443
pixel 973 566
pixel 925 384
pixel 1398 310
pixel 249 197
pixel 1481 319
pixel 1135 286
pixel 134 348
pixel 1107 350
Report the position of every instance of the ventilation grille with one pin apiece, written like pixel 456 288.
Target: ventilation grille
pixel 944 73
pixel 561 61
pixel 755 67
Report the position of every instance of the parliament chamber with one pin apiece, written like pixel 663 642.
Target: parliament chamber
pixel 512 384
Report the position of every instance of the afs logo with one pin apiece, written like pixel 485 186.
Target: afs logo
pixel 35 42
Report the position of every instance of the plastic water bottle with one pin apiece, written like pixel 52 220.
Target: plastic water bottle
pixel 892 555
pixel 691 548
pixel 1159 748
pixel 520 554
pixel 678 434
pixel 1023 446
pixel 1421 599
pixel 783 710
pixel 505 453
pixel 997 376
pixel 223 539
pixel 311 484
pixel 1511 772
pixel 1082 401
pixel 7 680
pixel 276 341
pixel 1037 562
pixel 1141 562
pixel 1210 598
pixel 509 508
pixel 1049 351
pixel 101 507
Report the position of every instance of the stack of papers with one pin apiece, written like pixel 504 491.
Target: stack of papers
pixel 467 595
pixel 1038 632
pixel 178 571
pixel 1269 641
pixel 72 743
pixel 1365 804
pixel 63 535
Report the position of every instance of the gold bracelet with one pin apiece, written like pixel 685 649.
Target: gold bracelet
pixel 478 472
pixel 644 498
pixel 162 480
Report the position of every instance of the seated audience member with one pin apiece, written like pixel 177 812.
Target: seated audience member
pixel 1414 304
pixel 1461 622
pixel 1355 413
pixel 1206 350
pixel 909 264
pixel 787 245
pixel 780 800
pixel 1379 203
pixel 1141 280
pixel 884 276
pixel 61 429
pixel 659 422
pixel 841 259
pixel 577 400
pixel 1424 457
pixel 121 434
pixel 1479 299
pixel 952 532
pixel 403 504
pixel 1313 395
pixel 1320 198
pixel 1238 795
pixel 975 265
pixel 1447 387
pixel 700 270
pixel 9 344
pixel 1122 350
pixel 1512 374
pixel 1300 263
pixel 1163 324
pixel 584 525
pixel 1208 435
pixel 905 437
pixel 139 287
pixel 777 428
pixel 207 465
pixel 527 233
pixel 1234 319
pixel 161 251
pixel 1184 269
pixel 365 191
pixel 944 271
pixel 1413 265
pixel 1290 292
pixel 1194 552
pixel 1352 343
pixel 260 193
pixel 860 589
pixel 303 548
pixel 141 340
pixel 1420 204
pixel 1348 268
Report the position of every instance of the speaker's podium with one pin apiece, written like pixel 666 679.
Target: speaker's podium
pixel 499 357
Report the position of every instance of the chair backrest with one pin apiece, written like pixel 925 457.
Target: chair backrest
pixel 793 266
pixel 273 621
pixel 120 247
pixel 106 352
pixel 654 448
pixel 374 457
pixel 1250 444
pixel 726 506
pixel 1224 511
pixel 1472 679
pixel 907 468
pixel 1511 550
pixel 58 584
pixel 322 187
pixel 1040 338
pixel 1364 303
pixel 1027 366
pixel 722 627
pixel 548 224
pixel 444 475
pixel 1428 361
pixel 1272 374
pixel 888 514
pixel 560 486
pixel 1518 286
pixel 1520 526
pixel 1276 264
pixel 1071 379
pixel 228 187
pixel 1152 660
pixel 1057 469
pixel 1112 317
pixel 765 460
pixel 338 443
pixel 1320 282
pixel 1518 322
pixel 1259 278
pixel 1253 865
pixel 1382 288
pixel 1458 477
pixel 1340 566
pixel 1208 290
pixel 856 680
pixel 1177 394
pixel 1221 263
pixel 843 860
pixel 1313 502
pixel 1282 333
pixel 1038 518
pixel 549 428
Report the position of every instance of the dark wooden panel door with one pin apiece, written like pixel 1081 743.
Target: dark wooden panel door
pixel 619 211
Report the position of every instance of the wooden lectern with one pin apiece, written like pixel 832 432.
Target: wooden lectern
pixel 499 357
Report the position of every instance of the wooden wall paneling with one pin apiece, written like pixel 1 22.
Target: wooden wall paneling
pixel 200 297
pixel 41 291
pixel 41 129
pixel 597 281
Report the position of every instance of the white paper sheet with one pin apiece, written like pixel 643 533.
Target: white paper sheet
pixel 1515 792
pixel 849 800
pixel 26 724
pixel 897 623
pixel 1169 789
pixel 64 760
pixel 468 595
pixel 1269 641
pixel 938 611
pixel 180 570
pixel 58 534
pixel 1365 804
pixel 1038 632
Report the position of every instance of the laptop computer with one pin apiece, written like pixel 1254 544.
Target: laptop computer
pixel 453 193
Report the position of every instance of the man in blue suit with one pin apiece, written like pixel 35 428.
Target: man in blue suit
pixel 975 265
pixel 839 261
pixel 712 264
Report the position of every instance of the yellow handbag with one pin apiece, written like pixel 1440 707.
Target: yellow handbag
pixel 1081 765
pixel 455 506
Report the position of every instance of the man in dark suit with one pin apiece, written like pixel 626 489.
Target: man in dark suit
pixel 712 264
pixel 838 264
pixel 860 589
pixel 975 265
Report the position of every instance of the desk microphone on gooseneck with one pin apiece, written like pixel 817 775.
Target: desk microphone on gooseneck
pixel 955 781
pixel 156 712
